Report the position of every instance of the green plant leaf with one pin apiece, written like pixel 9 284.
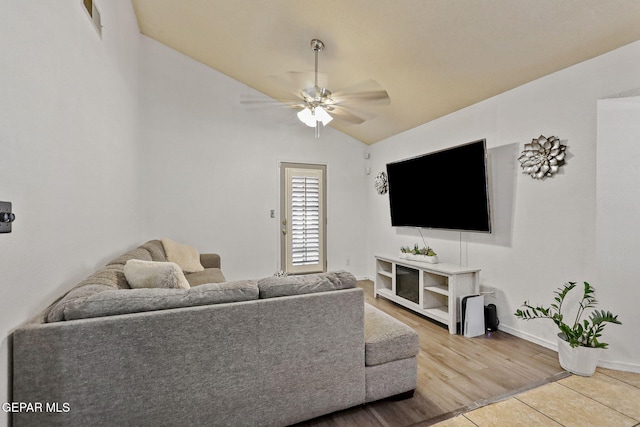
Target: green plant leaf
pixel 583 332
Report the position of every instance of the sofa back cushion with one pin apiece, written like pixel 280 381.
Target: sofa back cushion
pixel 209 275
pixel 137 253
pixel 275 286
pixel 116 302
pixel 107 279
pixel 156 250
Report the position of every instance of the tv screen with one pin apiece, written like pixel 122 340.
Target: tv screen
pixel 446 189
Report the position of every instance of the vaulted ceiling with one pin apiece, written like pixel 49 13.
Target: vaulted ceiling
pixel 433 57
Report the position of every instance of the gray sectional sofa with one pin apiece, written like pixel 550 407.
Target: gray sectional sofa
pixel 268 352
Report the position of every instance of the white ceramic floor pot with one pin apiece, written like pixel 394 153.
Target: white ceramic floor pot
pixel 578 360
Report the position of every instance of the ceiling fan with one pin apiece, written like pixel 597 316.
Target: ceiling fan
pixel 318 105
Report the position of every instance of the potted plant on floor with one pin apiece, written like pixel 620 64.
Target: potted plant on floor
pixel 579 347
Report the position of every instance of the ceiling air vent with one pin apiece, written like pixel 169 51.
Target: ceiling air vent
pixel 94 15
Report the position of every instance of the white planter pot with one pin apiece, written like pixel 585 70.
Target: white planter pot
pixel 423 258
pixel 578 360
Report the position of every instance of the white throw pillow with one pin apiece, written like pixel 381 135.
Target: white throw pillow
pixel 186 256
pixel 154 274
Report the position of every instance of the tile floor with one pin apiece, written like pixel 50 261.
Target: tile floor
pixel 608 398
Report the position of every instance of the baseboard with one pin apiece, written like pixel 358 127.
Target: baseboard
pixel 608 364
pixel 619 366
pixel 528 337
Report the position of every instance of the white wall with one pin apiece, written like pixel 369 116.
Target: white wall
pixel 544 231
pixel 68 159
pixel 617 211
pixel 210 167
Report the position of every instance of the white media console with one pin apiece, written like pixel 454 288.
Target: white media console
pixel 433 290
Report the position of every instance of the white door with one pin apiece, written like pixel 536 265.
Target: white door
pixel 303 225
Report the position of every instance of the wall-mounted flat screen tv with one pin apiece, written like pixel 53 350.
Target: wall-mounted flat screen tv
pixel 447 189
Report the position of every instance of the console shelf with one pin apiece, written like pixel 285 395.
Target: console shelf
pixel 438 289
pixel 433 290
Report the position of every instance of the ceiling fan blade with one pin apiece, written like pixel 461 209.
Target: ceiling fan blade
pixel 349 116
pixel 263 101
pixel 286 102
pixel 375 97
pixel 367 91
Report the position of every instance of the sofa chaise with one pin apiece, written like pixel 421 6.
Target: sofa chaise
pixel 269 352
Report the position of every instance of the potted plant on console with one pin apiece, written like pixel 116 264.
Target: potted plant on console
pixel 424 254
pixel 579 347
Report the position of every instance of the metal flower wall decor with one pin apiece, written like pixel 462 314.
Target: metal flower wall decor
pixel 543 157
pixel 381 184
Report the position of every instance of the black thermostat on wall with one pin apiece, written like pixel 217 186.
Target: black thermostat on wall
pixel 6 217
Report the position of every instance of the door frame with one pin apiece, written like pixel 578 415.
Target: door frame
pixel 282 166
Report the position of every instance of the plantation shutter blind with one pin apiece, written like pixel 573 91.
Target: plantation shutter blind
pixel 305 214
pixel 305 219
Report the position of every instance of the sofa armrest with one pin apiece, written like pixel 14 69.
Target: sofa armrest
pixel 210 260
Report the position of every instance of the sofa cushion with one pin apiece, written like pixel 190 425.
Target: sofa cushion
pixel 210 260
pixel 110 275
pixel 116 302
pixel 106 279
pixel 156 250
pixel 154 274
pixel 137 253
pixel 208 275
pixel 387 339
pixel 186 256
pixel 275 286
pixel 390 379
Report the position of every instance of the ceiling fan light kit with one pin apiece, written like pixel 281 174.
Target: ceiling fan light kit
pixel 311 117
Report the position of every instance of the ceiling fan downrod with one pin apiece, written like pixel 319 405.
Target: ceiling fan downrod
pixel 317 46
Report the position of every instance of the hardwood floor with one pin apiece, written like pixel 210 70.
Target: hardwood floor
pixel 454 373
